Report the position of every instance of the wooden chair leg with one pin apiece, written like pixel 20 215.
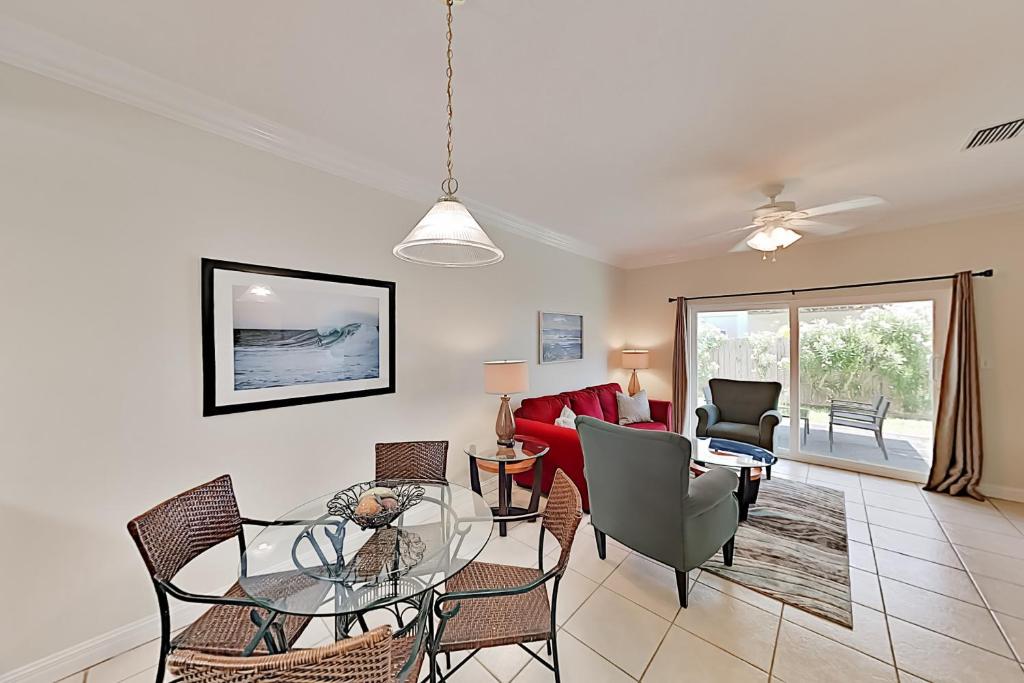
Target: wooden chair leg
pixel 602 543
pixel 682 585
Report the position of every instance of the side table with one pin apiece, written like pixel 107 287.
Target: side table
pixel 506 461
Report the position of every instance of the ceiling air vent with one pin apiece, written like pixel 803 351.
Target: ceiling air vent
pixel 1004 131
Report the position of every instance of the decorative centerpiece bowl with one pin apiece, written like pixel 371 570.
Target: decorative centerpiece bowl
pixel 375 504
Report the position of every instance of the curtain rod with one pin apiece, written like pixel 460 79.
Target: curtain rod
pixel 982 273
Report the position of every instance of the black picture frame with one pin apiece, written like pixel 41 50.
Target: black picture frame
pixel 209 341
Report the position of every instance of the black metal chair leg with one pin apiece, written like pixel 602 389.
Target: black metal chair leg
pixel 602 543
pixel 554 656
pixel 727 550
pixel 547 643
pixel 683 585
pixel 165 635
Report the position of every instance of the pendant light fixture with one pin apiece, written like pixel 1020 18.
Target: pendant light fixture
pixel 448 235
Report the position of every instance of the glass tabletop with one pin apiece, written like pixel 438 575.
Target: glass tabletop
pixel 312 562
pixel 523 448
pixel 728 453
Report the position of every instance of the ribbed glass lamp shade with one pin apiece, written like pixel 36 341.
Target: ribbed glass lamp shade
pixel 449 236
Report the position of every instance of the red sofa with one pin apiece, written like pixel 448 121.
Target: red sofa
pixel 536 417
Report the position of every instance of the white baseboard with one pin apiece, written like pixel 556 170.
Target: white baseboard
pixel 95 650
pixel 1004 492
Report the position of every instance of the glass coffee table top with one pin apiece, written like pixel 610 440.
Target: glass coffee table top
pixel 728 453
pixel 312 562
pixel 523 449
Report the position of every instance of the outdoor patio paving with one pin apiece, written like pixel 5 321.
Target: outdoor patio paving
pixel 905 452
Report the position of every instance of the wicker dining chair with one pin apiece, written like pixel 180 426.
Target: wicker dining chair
pixel 174 533
pixel 490 605
pixel 372 657
pixel 427 460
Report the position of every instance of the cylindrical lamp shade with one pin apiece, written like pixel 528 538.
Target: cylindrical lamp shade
pixel 635 359
pixel 506 377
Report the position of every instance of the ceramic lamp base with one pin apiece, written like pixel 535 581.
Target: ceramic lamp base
pixel 634 384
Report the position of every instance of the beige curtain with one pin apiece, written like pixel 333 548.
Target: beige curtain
pixel 957 454
pixel 679 369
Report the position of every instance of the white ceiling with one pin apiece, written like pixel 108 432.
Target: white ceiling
pixel 630 128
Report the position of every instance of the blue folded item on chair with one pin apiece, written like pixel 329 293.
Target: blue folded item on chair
pixel 740 448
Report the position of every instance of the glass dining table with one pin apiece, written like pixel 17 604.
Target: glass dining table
pixel 311 562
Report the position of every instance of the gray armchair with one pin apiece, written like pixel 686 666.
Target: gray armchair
pixel 641 495
pixel 741 411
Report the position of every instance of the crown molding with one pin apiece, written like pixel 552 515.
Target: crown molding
pixel 44 53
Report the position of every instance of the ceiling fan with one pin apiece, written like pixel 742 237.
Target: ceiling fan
pixel 778 225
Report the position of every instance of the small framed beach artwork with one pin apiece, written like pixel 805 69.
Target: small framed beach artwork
pixel 274 337
pixel 561 337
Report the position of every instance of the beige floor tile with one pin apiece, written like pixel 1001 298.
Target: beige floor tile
pixel 857 531
pixel 851 493
pixel 573 591
pixel 985 521
pixel 579 664
pixel 647 584
pixel 904 522
pixel 1001 596
pixel 892 487
pixel 147 676
pixel 870 633
pixel 856 511
pixel 584 558
pixel 733 625
pixel 128 664
pixel 864 588
pixel 897 504
pixel 1002 544
pixel 505 663
pixel 861 556
pixel 984 563
pixel 940 659
pixel 938 578
pixel 956 504
pixel 835 476
pixel 529 534
pixel 620 630
pixel 471 672
pixel 803 656
pixel 507 550
pixel 791 469
pixel 910 678
pixel 954 618
pixel 751 597
pixel 1014 629
pixel 73 678
pixel 700 660
pixel 916 546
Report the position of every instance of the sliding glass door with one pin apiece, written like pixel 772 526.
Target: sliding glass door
pixel 861 371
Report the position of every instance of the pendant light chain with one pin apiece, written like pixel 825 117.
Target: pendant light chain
pixel 450 185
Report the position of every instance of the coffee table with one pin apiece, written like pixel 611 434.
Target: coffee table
pixel 749 460
pixel 505 461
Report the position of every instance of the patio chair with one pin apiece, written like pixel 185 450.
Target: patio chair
pixel 372 657
pixel 490 605
pixel 641 495
pixel 177 531
pixel 426 460
pixel 859 415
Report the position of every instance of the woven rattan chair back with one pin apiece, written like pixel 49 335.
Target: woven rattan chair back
pixel 426 460
pixel 362 659
pixel 178 530
pixel 563 513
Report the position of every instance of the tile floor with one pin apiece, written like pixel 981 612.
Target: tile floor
pixel 937 582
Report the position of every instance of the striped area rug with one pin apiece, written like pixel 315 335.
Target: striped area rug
pixel 793 547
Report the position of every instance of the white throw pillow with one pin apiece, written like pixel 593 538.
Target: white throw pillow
pixel 633 408
pixel 566 419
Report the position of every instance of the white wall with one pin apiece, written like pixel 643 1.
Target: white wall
pixel 105 212
pixel 986 242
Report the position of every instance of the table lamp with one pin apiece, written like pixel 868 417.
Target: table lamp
pixel 635 359
pixel 504 377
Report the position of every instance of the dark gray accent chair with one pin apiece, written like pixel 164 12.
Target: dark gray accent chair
pixel 641 495
pixel 741 411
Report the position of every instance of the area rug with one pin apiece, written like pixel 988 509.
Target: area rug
pixel 793 547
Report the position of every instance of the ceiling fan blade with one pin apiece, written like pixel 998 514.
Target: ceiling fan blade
pixel 848 205
pixel 714 235
pixel 817 228
pixel 741 246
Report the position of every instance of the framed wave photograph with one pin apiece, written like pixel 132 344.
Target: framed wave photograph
pixel 561 337
pixel 275 337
